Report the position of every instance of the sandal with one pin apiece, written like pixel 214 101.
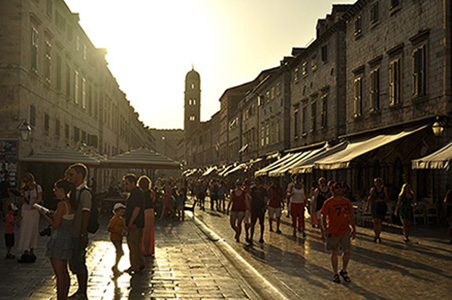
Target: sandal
pixel 336 278
pixel 344 274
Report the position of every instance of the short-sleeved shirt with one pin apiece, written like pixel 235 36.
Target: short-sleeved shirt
pixel 275 195
pixel 4 186
pixel 258 198
pixel 83 199
pixel 117 223
pixel 337 212
pixel 136 199
pixel 31 197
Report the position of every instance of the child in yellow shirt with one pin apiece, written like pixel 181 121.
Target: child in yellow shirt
pixel 117 228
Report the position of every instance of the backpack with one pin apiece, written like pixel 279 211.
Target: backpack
pixel 93 222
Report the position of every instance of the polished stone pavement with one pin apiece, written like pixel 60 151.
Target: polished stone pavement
pixel 187 266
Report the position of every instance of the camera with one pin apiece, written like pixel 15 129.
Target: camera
pixel 46 231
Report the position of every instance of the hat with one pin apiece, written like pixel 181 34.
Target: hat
pixel 12 206
pixel 118 206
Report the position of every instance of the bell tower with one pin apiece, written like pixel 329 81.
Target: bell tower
pixel 192 102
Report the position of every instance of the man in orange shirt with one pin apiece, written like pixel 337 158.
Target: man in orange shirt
pixel 337 217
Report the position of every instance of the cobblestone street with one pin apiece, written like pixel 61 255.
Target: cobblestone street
pixel 199 259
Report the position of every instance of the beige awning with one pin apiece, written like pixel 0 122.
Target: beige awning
pixel 142 158
pixel 303 156
pixel 355 149
pixel 306 165
pixel 440 159
pixel 65 156
pixel 264 171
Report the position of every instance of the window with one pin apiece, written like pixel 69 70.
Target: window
pixel 32 115
pixel 295 75
pixel 267 134
pixel 267 95
pixel 68 81
pixel 324 114
pixel 273 92
pixel 325 53
pixel 278 88
pixel 46 124
pixel 304 127
pixel 277 132
pixel 419 72
pixel 194 101
pixel 192 118
pixel 34 49
pixel 313 115
pixel 375 90
pixel 83 93
pixel 374 13
pixel 58 72
pixel 47 61
pixel 262 136
pixel 66 131
pixel 85 52
pixel 296 123
pixel 304 69
pixel 84 136
pixel 57 128
pixel 77 43
pixel 358 97
pixel 190 102
pixel 192 86
pixel 76 88
pixel 314 63
pixel 76 134
pixel 394 82
pixel 358 26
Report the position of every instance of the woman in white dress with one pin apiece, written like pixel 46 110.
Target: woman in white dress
pixel 31 193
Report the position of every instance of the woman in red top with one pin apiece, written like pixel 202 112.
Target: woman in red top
pixel 238 210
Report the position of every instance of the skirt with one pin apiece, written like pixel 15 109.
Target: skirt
pixel 29 227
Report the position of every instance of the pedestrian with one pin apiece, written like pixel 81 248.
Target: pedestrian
pixel 5 194
pixel 247 219
pixel 11 218
pixel 378 197
pixel 213 193
pixel 320 195
pixel 221 196
pixel 237 209
pixel 298 199
pixel 135 223
pixel 259 200
pixel 201 192
pixel 289 190
pixel 168 200
pixel 81 199
pixel 147 244
pixel 60 244
pixel 337 218
pixel 275 204
pixel 315 220
pixel 117 228
pixel 404 209
pixel 448 203
pixel 31 193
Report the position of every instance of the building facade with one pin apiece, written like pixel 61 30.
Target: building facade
pixel 54 80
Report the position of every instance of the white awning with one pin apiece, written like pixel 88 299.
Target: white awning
pixel 235 169
pixel 209 171
pixel 306 165
pixel 353 150
pixel 439 159
pixel 264 171
pixel 294 161
pixel 66 156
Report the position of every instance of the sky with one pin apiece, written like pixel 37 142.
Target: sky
pixel 152 44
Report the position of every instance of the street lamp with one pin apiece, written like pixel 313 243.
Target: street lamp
pixel 440 125
pixel 25 130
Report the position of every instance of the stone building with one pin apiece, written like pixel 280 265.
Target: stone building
pixel 56 83
pixel 398 78
pixel 318 84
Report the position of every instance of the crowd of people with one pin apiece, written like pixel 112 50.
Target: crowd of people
pixel 246 201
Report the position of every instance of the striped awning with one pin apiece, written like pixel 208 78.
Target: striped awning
pixel 65 156
pixel 143 158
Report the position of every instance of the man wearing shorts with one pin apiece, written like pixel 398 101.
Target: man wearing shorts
pixel 337 217
pixel 259 202
pixel 275 203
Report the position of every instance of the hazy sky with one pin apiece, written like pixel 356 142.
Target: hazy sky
pixel 152 44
